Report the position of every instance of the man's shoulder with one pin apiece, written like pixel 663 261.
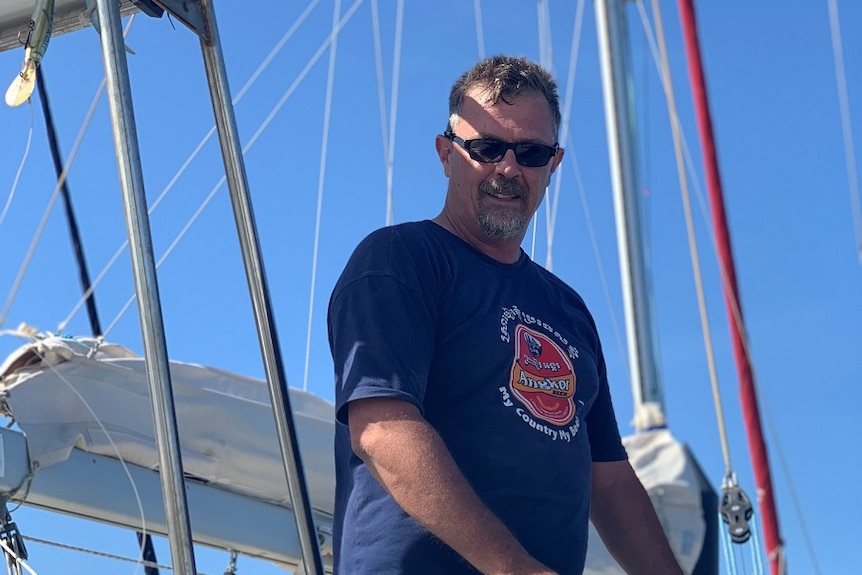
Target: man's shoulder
pixel 404 233
pixel 556 283
pixel 403 252
pixel 398 245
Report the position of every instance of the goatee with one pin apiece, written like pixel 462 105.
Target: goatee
pixel 503 222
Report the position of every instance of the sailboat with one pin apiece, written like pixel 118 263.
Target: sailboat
pixel 212 253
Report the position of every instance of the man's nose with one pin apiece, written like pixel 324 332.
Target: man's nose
pixel 508 164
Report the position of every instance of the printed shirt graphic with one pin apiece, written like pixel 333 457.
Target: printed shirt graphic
pixel 543 378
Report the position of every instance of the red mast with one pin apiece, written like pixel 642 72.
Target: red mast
pixel 751 412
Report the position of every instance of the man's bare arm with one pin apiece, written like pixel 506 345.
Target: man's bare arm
pixel 410 460
pixel 623 515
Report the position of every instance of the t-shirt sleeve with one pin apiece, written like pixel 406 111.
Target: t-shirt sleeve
pixel 381 326
pixel 604 434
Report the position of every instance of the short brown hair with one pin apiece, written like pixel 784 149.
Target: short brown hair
pixel 506 77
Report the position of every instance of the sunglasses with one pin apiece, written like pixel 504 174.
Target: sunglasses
pixel 489 150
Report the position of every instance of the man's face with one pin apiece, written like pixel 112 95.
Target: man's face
pixel 493 202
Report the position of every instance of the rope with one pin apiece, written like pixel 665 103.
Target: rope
pixel 20 168
pixel 846 127
pixel 266 61
pixel 263 126
pixel 327 114
pixel 689 224
pixel 756 559
pixel 480 36
pixel 566 116
pixel 727 549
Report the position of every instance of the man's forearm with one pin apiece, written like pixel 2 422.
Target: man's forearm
pixel 626 520
pixel 410 460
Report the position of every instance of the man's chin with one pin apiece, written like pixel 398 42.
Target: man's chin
pixel 502 225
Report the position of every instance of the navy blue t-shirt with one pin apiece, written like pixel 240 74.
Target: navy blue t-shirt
pixel 503 360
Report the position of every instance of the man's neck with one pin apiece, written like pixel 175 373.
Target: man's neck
pixel 504 251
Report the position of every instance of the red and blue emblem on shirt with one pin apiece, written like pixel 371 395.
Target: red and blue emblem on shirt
pixel 543 378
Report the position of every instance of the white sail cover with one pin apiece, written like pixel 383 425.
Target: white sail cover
pixel 77 393
pixel 670 477
pixel 66 393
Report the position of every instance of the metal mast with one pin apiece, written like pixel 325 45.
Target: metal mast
pixel 645 380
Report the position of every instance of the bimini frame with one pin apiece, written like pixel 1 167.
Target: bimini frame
pixel 197 15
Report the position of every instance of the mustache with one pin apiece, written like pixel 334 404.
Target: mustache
pixel 503 185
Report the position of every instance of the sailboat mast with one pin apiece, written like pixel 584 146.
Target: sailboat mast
pixel 646 385
pixel 751 411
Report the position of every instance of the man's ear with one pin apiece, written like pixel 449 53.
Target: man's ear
pixel 444 151
pixel 558 157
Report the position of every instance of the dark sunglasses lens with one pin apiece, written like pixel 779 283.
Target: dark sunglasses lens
pixel 533 155
pixel 487 150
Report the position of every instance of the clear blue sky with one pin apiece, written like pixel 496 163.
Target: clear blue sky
pixel 772 87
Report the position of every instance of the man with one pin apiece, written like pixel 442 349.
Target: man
pixel 475 428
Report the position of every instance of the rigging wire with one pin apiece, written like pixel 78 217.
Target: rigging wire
pixel 594 242
pixel 254 138
pixel 773 432
pixel 327 115
pixel 393 111
pixel 665 75
pixel 61 179
pixel 67 547
pixel 248 84
pixel 48 209
pixel 145 541
pixel 104 430
pixel 72 221
pixel 846 126
pixel 741 346
pixel 20 168
pixel 57 188
pixel 480 36
pixel 794 496
pixel 381 86
pixel 546 54
pixel 546 61
pixel 19 562
pixel 388 131
pixel 552 207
